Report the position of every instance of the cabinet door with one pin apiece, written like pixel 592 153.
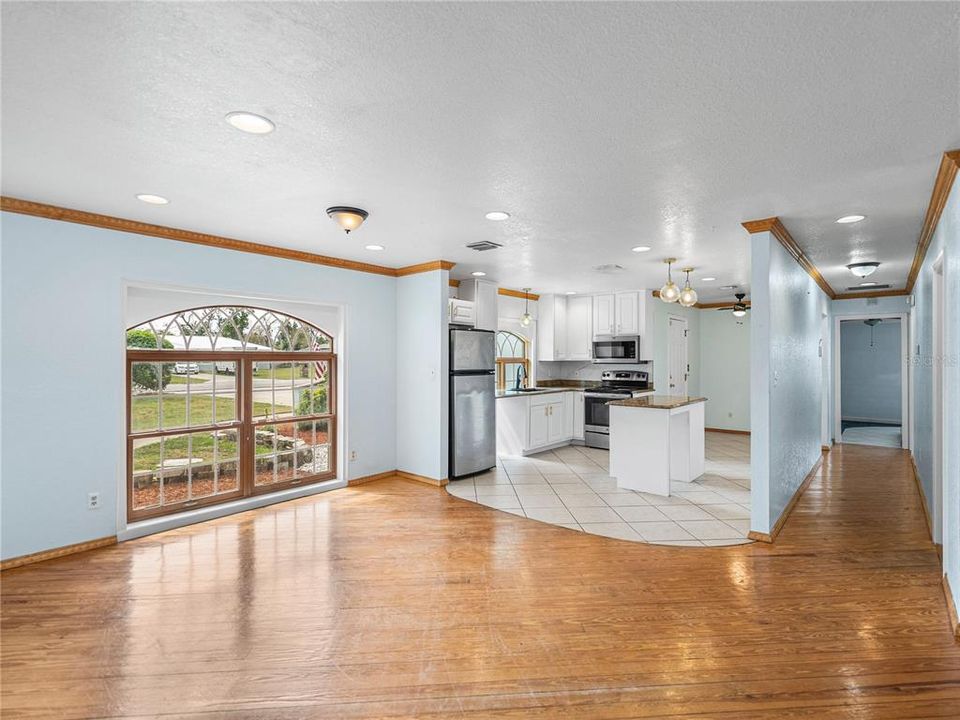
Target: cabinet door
pixel 579 328
pixel 556 422
pixel 577 432
pixel 539 425
pixel 628 314
pixel 486 302
pixel 604 314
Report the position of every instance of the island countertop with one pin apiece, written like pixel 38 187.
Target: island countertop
pixel 659 402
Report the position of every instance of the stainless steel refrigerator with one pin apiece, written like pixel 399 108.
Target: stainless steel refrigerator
pixel 473 392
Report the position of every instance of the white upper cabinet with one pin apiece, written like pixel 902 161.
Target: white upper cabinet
pixel 483 294
pixel 579 327
pixel 627 313
pixel 552 327
pixel 604 315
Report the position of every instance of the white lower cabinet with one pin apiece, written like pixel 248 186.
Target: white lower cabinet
pixel 528 424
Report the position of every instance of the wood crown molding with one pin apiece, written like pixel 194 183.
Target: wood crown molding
pixel 872 294
pixel 781 521
pixel 81 217
pixel 454 283
pixel 777 229
pixel 517 294
pixel 57 552
pixel 709 306
pixel 938 200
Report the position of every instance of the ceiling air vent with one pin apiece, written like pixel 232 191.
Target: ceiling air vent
pixel 484 245
pixel 608 269
pixel 869 288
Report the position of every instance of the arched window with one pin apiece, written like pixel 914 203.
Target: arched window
pixel 511 355
pixel 226 402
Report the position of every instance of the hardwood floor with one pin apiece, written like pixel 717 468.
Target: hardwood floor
pixel 393 599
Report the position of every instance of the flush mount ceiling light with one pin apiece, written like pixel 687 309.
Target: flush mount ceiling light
pixel 571 292
pixel 497 215
pixel 478 273
pixel 152 199
pixel 348 218
pixel 866 284
pixel 374 248
pixel 669 292
pixel 847 219
pixel 526 318
pixel 862 269
pixel 688 296
pixel 250 122
pixel 640 249
pixel 707 279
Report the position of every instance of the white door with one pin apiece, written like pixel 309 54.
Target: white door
pixel 604 313
pixel 556 422
pixel 677 356
pixel 539 425
pixel 628 320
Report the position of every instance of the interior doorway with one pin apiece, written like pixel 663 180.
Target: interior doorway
pixel 871 380
pixel 678 366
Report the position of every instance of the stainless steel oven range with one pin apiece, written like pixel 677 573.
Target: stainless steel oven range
pixel 615 385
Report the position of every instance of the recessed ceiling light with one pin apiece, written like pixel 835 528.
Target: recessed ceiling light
pixel 640 248
pixel 862 269
pixel 251 123
pixel 571 292
pixel 497 215
pixel 867 284
pixel 478 273
pixel 375 248
pixel 707 279
pixel 152 199
pixel 847 219
pixel 729 287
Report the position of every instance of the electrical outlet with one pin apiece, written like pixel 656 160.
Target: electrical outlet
pixel 93 500
pixel 353 454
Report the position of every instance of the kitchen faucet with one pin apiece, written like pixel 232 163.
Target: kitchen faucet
pixel 521 371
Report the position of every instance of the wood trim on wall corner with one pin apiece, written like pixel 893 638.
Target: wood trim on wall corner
pixel 783 236
pixel 726 430
pixel 454 283
pixel 371 478
pixel 108 222
pixel 923 496
pixel 404 475
pixel 951 609
pixel 949 163
pixel 57 552
pixel 517 294
pixel 781 521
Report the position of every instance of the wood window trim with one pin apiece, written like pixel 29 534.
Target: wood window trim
pixel 244 423
pixel 502 369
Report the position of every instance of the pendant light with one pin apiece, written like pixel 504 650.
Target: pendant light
pixel 670 292
pixel 348 218
pixel 688 296
pixel 526 318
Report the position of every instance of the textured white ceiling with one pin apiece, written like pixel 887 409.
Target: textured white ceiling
pixel 598 126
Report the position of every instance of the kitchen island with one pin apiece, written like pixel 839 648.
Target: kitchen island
pixel 656 439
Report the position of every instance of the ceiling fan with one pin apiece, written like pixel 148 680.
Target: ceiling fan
pixel 739 308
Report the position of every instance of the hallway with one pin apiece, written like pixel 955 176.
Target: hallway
pixel 393 599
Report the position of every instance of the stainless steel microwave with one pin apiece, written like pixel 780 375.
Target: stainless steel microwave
pixel 616 349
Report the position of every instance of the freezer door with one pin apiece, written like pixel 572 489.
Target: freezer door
pixel 472 350
pixel 473 440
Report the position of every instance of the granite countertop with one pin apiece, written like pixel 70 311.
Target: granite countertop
pixel 569 384
pixel 659 402
pixel 536 391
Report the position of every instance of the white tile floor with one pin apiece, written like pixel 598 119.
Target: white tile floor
pixel 570 487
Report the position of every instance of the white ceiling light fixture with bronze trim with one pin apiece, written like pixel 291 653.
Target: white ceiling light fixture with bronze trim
pixel 863 269
pixel 670 292
pixel 348 218
pixel 688 296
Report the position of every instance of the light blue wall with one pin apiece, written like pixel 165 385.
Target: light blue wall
pixel 725 369
pixel 63 362
pixel 786 374
pixel 870 369
pixel 422 378
pixel 945 241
